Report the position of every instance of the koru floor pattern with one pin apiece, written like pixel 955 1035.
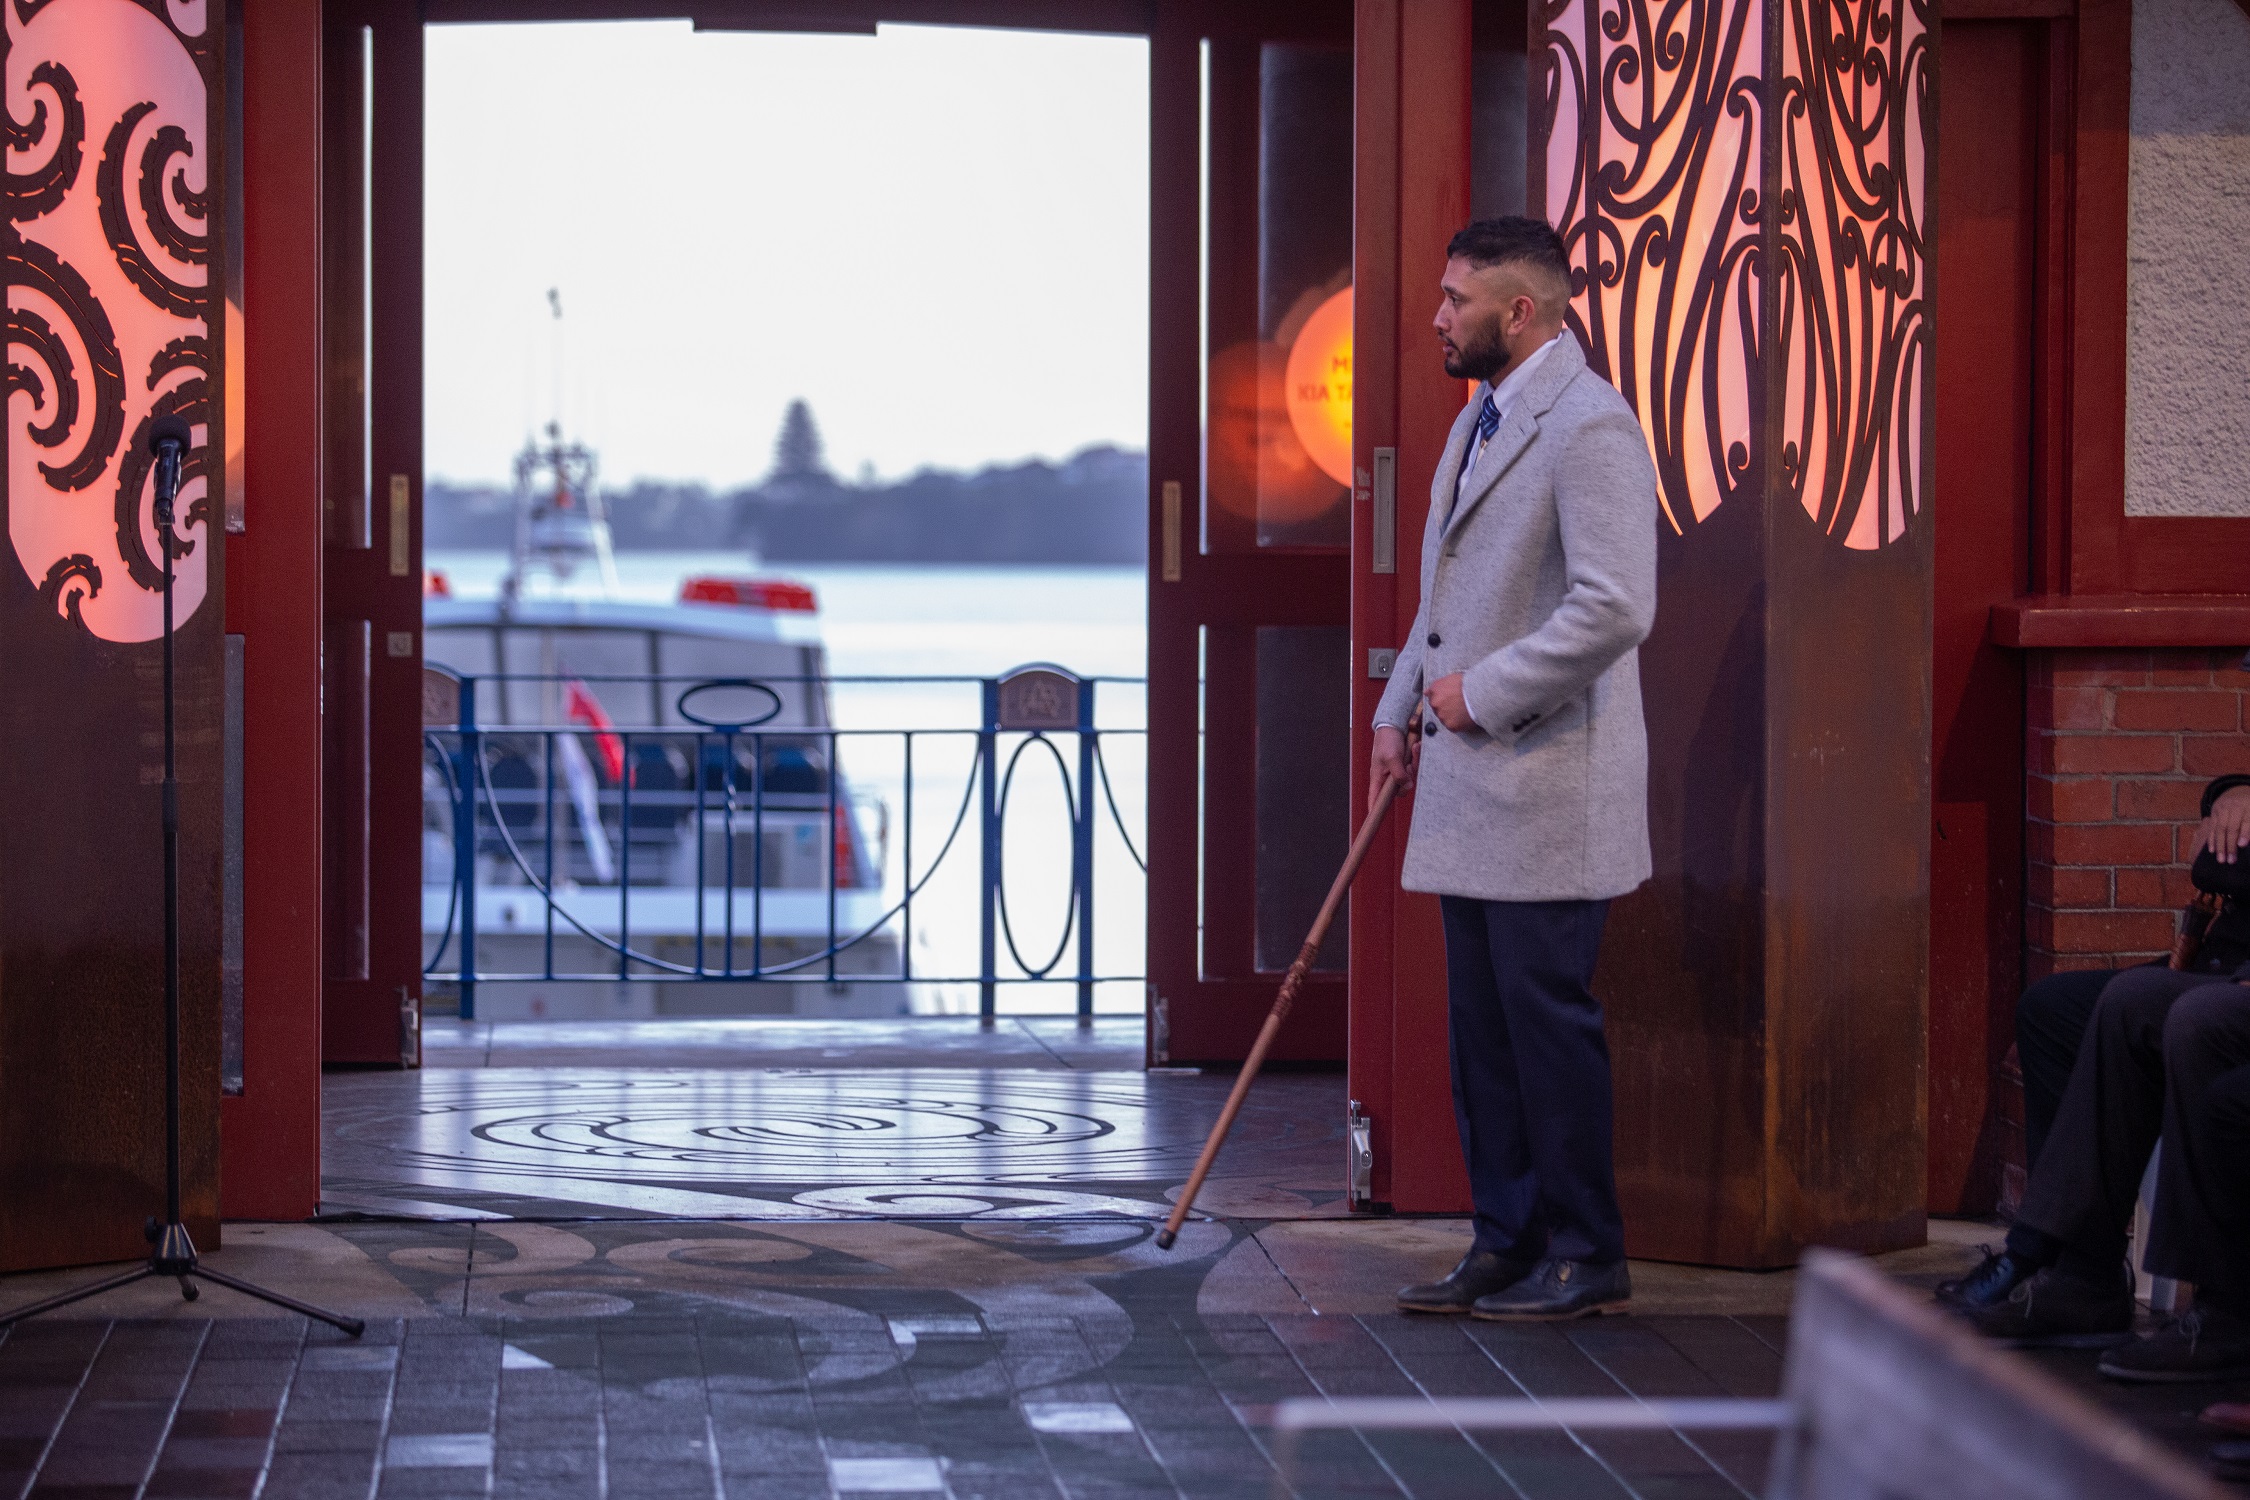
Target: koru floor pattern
pixel 931 1118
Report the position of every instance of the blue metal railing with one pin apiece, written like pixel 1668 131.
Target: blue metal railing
pixel 645 809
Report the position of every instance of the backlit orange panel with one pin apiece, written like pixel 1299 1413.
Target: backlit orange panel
pixel 1680 162
pixel 1856 109
pixel 108 269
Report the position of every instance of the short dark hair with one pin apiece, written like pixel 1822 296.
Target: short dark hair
pixel 1512 241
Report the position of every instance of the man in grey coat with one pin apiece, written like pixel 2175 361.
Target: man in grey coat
pixel 1538 585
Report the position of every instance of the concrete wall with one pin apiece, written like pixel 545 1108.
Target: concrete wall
pixel 2187 384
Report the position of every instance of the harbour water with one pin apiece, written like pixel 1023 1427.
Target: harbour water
pixel 963 622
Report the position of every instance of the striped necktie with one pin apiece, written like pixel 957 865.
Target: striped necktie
pixel 1488 423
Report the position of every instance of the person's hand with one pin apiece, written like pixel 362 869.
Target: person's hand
pixel 1450 705
pixel 1394 759
pixel 2227 830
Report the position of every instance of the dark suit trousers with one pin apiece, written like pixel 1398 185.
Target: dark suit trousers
pixel 1531 1084
pixel 2161 1061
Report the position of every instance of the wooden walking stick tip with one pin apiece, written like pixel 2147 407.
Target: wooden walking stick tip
pixel 1165 1239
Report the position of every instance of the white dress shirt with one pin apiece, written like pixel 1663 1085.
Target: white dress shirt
pixel 1503 396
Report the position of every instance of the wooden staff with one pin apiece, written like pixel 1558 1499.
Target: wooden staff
pixel 1291 982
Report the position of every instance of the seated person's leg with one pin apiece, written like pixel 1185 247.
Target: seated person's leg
pixel 2051 1021
pixel 2199 1229
pixel 2082 1191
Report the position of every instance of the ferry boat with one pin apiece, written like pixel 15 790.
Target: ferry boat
pixel 602 772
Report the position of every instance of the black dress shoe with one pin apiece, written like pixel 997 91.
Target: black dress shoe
pixel 1998 1274
pixel 2057 1310
pixel 2204 1343
pixel 1559 1289
pixel 1480 1273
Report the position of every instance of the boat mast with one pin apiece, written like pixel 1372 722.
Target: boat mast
pixel 561 521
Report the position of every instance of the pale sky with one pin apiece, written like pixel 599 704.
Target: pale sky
pixel 938 237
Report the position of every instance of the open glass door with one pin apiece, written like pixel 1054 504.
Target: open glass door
pixel 371 655
pixel 1250 800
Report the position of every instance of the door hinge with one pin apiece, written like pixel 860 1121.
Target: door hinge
pixel 409 1029
pixel 1359 1156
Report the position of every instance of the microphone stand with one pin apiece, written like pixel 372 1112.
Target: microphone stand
pixel 172 1253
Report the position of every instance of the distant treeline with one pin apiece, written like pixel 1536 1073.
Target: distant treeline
pixel 1092 508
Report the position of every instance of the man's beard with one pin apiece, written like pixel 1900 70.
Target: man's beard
pixel 1481 358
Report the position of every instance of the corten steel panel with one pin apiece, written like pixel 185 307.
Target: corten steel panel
pixel 1766 991
pixel 1202 846
pixel 372 591
pixel 1987 263
pixel 271 1132
pixel 1412 192
pixel 124 112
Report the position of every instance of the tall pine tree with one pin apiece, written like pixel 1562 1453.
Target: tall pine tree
pixel 798 453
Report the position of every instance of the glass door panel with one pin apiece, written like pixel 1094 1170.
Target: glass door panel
pixel 1250 446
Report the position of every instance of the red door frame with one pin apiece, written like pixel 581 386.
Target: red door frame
pixel 1413 153
pixel 270 1133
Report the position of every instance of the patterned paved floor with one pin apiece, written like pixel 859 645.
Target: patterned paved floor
pixel 668 1360
pixel 725 1281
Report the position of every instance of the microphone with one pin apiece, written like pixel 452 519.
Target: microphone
pixel 170 428
pixel 169 436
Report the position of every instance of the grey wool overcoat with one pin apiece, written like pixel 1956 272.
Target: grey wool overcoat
pixel 1540 585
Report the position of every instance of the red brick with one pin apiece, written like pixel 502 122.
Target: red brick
pixel 2226 672
pixel 2091 800
pixel 2113 931
pixel 2182 668
pixel 2079 889
pixel 2067 708
pixel 2177 708
pixel 2099 669
pixel 2092 754
pixel 2085 844
pixel 2214 754
pixel 2167 801
pixel 2154 889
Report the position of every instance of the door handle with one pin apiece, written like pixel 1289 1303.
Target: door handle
pixel 402 513
pixel 1171 531
pixel 1386 511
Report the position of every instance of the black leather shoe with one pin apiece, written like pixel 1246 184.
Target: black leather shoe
pixel 1998 1274
pixel 1559 1289
pixel 2203 1343
pixel 2056 1310
pixel 1480 1273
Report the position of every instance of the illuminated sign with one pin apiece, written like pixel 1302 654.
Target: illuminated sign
pixel 1318 387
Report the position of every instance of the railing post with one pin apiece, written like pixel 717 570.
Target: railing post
pixel 988 753
pixel 1082 852
pixel 470 758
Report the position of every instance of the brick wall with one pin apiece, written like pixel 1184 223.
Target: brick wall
pixel 2121 745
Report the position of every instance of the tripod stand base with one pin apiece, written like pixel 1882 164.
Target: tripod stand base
pixel 175 1257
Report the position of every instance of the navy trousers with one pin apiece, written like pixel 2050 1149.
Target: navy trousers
pixel 1531 1084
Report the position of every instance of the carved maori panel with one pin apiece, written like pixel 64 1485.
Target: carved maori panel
pixel 109 193
pixel 1688 146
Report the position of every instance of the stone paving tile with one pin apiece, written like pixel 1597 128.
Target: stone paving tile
pixel 756 1369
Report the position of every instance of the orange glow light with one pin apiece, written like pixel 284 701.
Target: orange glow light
pixel 1319 386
